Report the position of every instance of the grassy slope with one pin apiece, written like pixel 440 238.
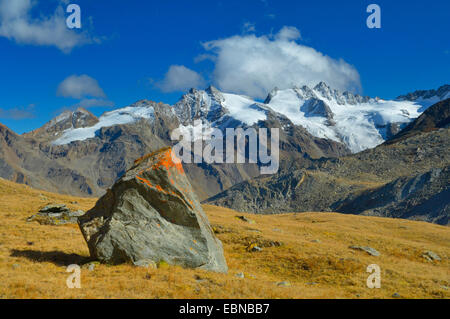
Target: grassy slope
pixel 33 257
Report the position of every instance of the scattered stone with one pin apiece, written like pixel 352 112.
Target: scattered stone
pixel 152 213
pixel 240 275
pixel 91 265
pixel 254 248
pixel 200 279
pixel 312 283
pixel 371 251
pixel 396 295
pixel 284 284
pixel 317 241
pixel 431 256
pixel 145 264
pixel 245 219
pixel 56 214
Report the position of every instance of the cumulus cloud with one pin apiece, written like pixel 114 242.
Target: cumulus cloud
pixel 252 65
pixel 80 86
pixel 18 113
pixel 16 23
pixel 180 78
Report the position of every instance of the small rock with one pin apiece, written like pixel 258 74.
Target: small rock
pixel 444 287
pixel 369 250
pixel 284 284
pixel 240 275
pixel 396 295
pixel 91 265
pixel 312 283
pixel 254 248
pixel 15 266
pixel 431 256
pixel 145 264
pixel 245 219
pixel 274 244
pixel 30 243
pixel 317 241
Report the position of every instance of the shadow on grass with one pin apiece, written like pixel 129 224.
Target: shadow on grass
pixel 58 258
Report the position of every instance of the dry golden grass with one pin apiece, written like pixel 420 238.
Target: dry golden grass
pixel 33 257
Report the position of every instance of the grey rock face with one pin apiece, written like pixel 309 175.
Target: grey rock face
pixel 152 214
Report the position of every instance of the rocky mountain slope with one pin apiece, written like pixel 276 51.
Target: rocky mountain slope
pixel 80 154
pixel 433 118
pixel 333 184
pixel 422 197
pixel 77 153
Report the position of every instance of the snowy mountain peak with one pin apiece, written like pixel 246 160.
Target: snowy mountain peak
pixel 356 121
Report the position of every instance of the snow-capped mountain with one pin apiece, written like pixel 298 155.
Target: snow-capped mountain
pixel 140 110
pixel 358 122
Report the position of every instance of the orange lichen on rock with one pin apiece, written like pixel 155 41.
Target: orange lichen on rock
pixel 166 162
pixel 144 181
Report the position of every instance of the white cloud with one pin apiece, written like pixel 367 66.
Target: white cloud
pixel 16 23
pixel 288 34
pixel 254 65
pixel 80 86
pixel 180 78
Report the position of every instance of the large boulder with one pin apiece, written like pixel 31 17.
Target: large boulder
pixel 152 214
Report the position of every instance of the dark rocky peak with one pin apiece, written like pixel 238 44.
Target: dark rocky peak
pixel 440 93
pixel 272 93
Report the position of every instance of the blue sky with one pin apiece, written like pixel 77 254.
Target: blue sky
pixel 126 48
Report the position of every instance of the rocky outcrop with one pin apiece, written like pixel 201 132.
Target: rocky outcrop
pixel 56 214
pixel 152 214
